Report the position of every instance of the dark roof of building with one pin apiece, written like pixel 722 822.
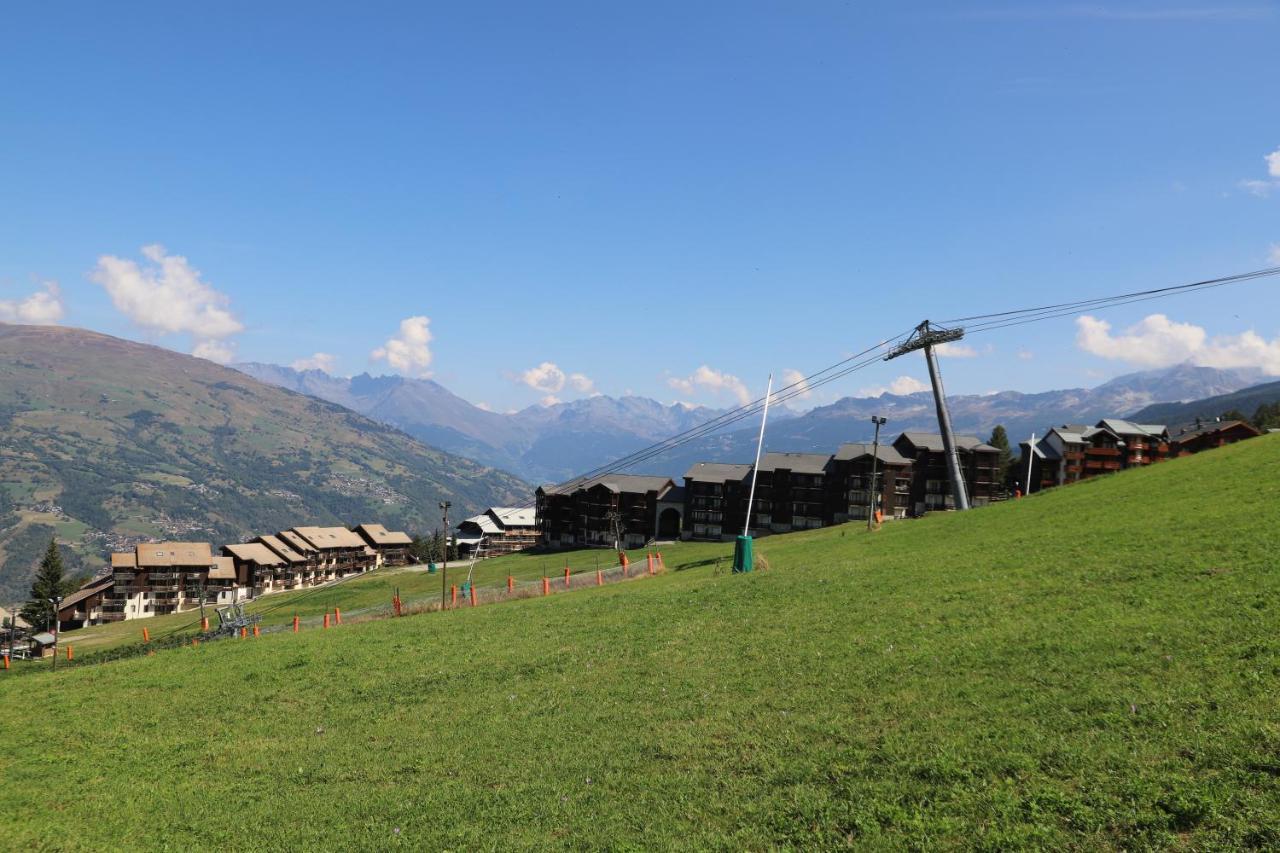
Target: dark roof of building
pixel 717 472
pixel 89 590
pixel 1192 430
pixel 932 441
pixel 797 463
pixel 613 482
pixel 886 453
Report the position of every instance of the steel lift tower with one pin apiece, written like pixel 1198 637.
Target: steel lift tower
pixel 926 336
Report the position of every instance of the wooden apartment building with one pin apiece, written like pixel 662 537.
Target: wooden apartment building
pixel 931 477
pixel 501 530
pixel 604 511
pixel 850 486
pixel 1206 435
pixel 161 577
pixel 391 547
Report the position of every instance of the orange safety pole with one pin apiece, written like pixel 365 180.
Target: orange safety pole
pixel 256 633
pixel 146 635
pixel 195 642
pixel 204 623
pixel 337 615
pixel 566 577
pixel 511 584
pixel 453 595
pixel 546 586
pixel 662 567
pixel 244 633
pixel 599 578
pixel 473 595
pixel 296 626
pixel 649 560
pixel 6 660
pixel 69 655
pixel 326 618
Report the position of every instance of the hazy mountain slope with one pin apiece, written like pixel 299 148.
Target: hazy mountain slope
pixel 540 443
pixel 107 440
pixel 1245 401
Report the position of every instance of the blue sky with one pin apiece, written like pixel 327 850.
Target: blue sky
pixel 670 199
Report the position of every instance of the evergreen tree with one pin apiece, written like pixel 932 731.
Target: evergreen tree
pixel 1267 416
pixel 51 582
pixel 1000 441
pixel 1234 415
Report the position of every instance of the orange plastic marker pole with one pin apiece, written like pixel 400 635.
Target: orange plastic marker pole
pixel 599 578
pixel 244 633
pixel 204 623
pixel 453 595
pixel 6 661
pixel 566 577
pixel 326 619
pixel 473 595
pixel 337 615
pixel 546 586
pixel 69 655
pixel 256 632
pixel 195 642
pixel 649 560
pixel 511 584
pixel 296 626
pixel 146 635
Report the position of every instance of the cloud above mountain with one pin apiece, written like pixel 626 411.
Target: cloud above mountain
pixel 1157 341
pixel 901 386
pixel 42 308
pixel 409 351
pixel 318 361
pixel 166 295
pixel 716 382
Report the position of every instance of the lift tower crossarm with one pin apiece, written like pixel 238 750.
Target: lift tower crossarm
pixel 926 336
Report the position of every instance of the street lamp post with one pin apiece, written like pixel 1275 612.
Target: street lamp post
pixel 875 457
pixel 444 575
pixel 56 601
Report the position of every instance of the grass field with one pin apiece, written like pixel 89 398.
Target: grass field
pixel 1094 667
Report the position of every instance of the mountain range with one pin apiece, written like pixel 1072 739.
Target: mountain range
pixel 109 442
pixel 554 443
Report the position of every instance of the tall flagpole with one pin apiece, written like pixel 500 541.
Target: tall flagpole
pixel 743 559
pixel 755 469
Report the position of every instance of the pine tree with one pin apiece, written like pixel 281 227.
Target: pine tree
pixel 50 582
pixel 1000 441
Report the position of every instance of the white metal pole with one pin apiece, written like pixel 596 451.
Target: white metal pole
pixel 1031 460
pixel 755 469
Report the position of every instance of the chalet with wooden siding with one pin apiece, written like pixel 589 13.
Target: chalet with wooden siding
pixel 85 605
pixel 1195 437
pixel 313 565
pixel 849 484
pixel 390 546
pixel 606 510
pixel 715 495
pixel 931 479
pixel 258 567
pixel 1142 444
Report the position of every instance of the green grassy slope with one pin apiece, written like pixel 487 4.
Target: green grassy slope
pixel 129 440
pixel 1094 666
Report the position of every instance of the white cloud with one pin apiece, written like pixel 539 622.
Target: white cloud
pixel 1275 253
pixel 409 352
pixel 1157 341
pixel 546 377
pixel 42 308
pixel 1265 188
pixel 582 383
pixel 796 378
pixel 900 386
pixel 223 352
pixel 954 350
pixel 484 407
pixel 168 297
pixel 319 361
pixel 1026 354
pixel 715 381
pixel 550 400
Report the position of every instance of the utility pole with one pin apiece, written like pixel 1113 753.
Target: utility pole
pixel 926 337
pixel 1031 461
pixel 444 575
pixel 875 457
